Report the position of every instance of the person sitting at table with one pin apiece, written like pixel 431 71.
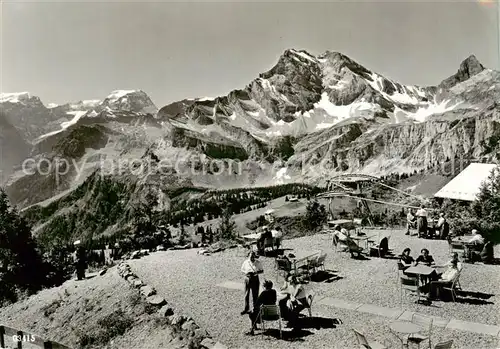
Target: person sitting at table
pixel 425 258
pixel 406 259
pixel 264 236
pixel 442 226
pixel 352 246
pixel 443 280
pixel 486 255
pixel 267 297
pixel 342 236
pixel 294 302
pixel 476 239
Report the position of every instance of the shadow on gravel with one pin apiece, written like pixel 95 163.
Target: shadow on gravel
pixel 325 276
pixel 360 257
pixel 480 295
pixel 317 322
pixel 288 335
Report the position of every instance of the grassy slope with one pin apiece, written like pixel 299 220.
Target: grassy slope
pixel 69 312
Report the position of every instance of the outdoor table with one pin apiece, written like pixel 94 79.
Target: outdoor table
pixel 358 239
pixel 303 256
pixel 405 328
pixel 420 270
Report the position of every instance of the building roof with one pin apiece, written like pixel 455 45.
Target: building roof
pixel 466 185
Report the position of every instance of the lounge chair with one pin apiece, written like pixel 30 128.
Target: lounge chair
pixel 381 248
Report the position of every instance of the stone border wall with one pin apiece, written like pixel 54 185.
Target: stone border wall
pixel 185 326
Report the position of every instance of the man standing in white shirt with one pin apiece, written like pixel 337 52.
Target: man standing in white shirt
pixel 251 268
pixel 421 221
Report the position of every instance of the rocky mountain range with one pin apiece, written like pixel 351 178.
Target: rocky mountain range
pixel 307 119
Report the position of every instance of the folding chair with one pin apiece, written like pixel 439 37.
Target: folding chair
pixel 400 267
pixel 455 285
pixel 365 344
pixel 409 284
pixel 270 313
pixel 444 345
pixel 426 324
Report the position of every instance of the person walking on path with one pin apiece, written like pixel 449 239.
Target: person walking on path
pixel 251 268
pixel 410 221
pixel 80 260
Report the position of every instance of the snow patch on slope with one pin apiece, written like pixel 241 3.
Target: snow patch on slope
pixel 77 115
pixel 117 94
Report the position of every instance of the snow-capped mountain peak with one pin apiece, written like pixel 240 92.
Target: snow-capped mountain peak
pixel 15 97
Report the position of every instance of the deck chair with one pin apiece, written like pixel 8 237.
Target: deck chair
pixel 381 248
pixel 426 324
pixel 270 313
pixel 444 345
pixel 318 262
pixel 455 285
pixel 365 344
pixel 409 284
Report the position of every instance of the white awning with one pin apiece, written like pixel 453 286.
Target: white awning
pixel 467 184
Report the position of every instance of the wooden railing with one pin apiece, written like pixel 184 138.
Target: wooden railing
pixel 18 338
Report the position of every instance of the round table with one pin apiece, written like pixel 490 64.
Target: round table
pixel 406 328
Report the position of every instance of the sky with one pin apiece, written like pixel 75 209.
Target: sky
pixel 65 52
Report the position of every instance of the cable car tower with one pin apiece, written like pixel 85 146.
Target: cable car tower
pixel 350 185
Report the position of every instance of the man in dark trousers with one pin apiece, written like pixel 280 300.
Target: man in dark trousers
pixel 251 267
pixel 80 260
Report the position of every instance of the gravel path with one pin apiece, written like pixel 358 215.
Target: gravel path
pixel 188 281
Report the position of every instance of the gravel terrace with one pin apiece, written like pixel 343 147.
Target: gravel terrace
pixel 188 281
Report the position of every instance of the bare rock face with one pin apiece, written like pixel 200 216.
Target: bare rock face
pixel 468 68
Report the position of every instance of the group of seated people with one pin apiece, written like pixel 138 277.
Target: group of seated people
pixel 267 235
pixel 432 284
pixel 420 222
pixel 478 249
pixel 293 299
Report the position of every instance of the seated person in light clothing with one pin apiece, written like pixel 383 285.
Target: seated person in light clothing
pixel 445 279
pixel 477 238
pixel 295 301
pixel 267 297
